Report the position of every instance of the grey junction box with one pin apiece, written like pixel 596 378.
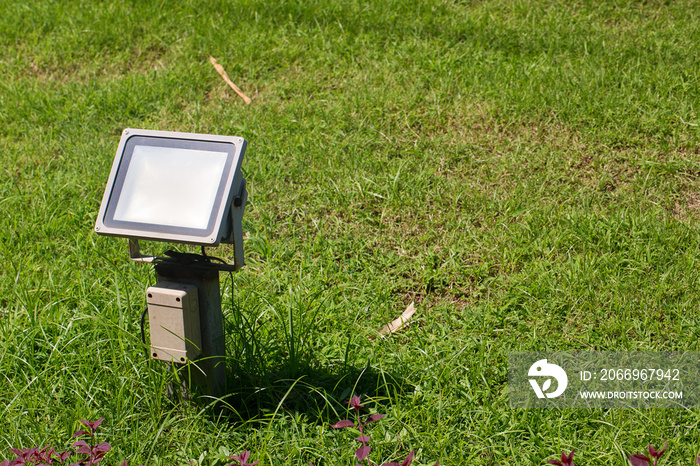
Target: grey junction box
pixel 173 315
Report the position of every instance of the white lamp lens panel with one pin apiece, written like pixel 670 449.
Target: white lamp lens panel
pixel 170 186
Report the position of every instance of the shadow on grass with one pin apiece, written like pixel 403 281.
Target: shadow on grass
pixel 320 394
pixel 280 360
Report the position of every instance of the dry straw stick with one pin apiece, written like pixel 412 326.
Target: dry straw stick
pixel 223 74
pixel 397 324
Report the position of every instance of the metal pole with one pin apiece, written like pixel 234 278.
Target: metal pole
pixel 208 372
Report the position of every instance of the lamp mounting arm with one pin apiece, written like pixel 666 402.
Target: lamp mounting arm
pixel 135 252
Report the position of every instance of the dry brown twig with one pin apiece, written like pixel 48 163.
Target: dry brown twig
pixel 223 74
pixel 397 324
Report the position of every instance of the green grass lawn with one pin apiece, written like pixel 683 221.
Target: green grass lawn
pixel 525 172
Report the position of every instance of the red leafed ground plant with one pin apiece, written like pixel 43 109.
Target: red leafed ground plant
pixel 81 453
pixel 362 453
pixel 86 451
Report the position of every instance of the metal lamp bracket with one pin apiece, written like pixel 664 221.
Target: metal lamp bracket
pixel 135 252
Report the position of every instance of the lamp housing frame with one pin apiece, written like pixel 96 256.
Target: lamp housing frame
pixel 229 201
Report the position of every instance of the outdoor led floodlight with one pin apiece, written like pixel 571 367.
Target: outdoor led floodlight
pixel 176 187
pixel 183 188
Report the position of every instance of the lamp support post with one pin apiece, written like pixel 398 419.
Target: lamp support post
pixel 208 371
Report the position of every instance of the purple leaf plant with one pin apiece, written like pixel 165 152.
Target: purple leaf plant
pixel 86 454
pixel 242 459
pixel 652 459
pixel 94 452
pixel 362 453
pixel 566 460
